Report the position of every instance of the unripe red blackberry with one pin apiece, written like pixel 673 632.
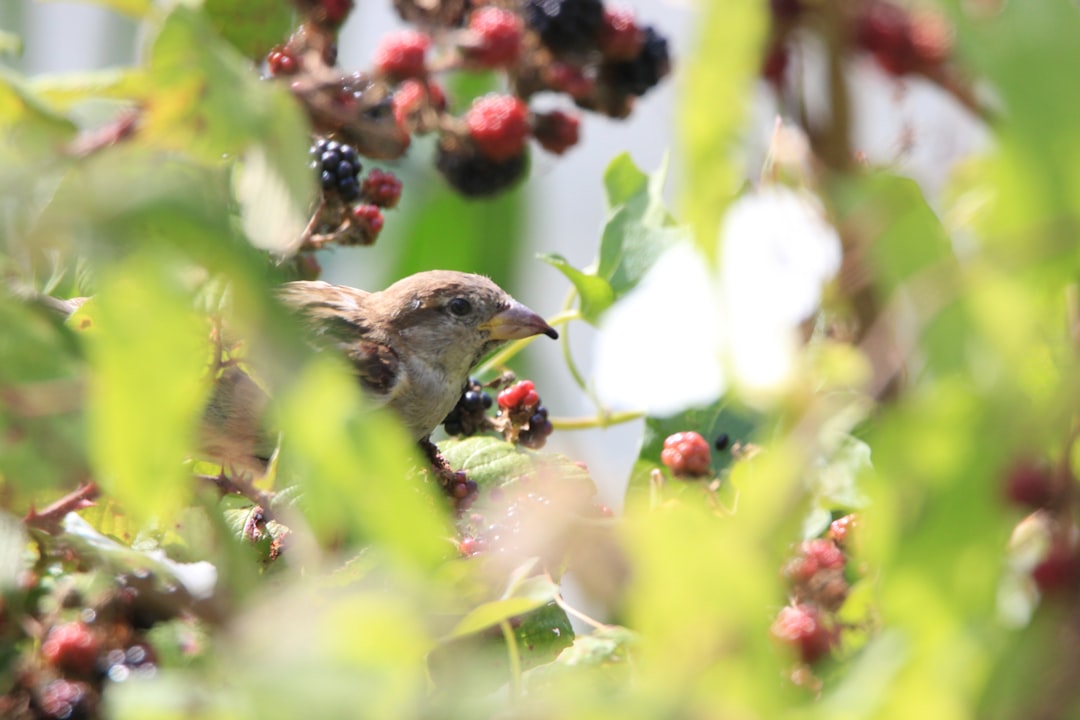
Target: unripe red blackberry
pixel 556 131
pixel 495 37
pixel 498 125
pixel 412 98
pixel 307 266
pixel 620 37
pixel 368 219
pixel 401 54
pixel 72 647
pixel 475 175
pixel 568 78
pixel 64 699
pixel 687 454
pixel 381 188
pixel 280 61
pixel 1059 572
pixel 521 394
pixel 802 627
pixel 1030 483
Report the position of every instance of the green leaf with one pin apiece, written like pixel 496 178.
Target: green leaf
pixel 67 89
pixel 10 44
pixel 33 129
pixel 493 462
pixel 595 293
pixel 719 74
pixel 639 229
pixel 253 26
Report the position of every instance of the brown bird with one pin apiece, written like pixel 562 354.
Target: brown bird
pixel 412 346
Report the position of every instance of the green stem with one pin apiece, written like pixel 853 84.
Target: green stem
pixel 507 353
pixel 601 420
pixel 514 657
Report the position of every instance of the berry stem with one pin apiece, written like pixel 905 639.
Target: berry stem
pixel 504 356
pixel 602 419
pixel 514 657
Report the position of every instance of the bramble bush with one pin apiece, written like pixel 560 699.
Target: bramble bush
pixel 856 491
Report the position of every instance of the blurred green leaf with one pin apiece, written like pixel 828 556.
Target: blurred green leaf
pixel 526 597
pixel 595 293
pixel 133 8
pixel 356 467
pixel 10 44
pixel 65 90
pixel 719 73
pixel 148 336
pixel 253 26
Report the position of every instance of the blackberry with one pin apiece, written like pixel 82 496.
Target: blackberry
pixel 536 434
pixel 469 415
pixel 339 168
pixel 565 25
pixel 474 175
pixel 641 74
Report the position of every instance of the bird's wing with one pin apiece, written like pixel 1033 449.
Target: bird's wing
pixel 339 316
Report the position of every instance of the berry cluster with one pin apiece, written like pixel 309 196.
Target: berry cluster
pixel 687 455
pixel 88 635
pixel 528 419
pixel 816 576
pixel 902 41
pixel 1049 491
pixel 351 209
pixel 521 418
pixel 469 416
pixel 600 57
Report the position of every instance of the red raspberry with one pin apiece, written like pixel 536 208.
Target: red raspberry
pixel 381 188
pixel 620 37
pixel 369 220
pixel 498 33
pixel 520 394
pixel 401 54
pixel 687 454
pixel 801 627
pixel 841 528
pixel 72 647
pixel 282 62
pixel 556 131
pixel 1030 484
pixel 498 125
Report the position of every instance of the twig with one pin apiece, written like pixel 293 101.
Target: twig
pixel 50 518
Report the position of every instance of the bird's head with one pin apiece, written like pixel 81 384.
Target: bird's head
pixel 466 316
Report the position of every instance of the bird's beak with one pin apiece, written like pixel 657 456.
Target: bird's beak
pixel 516 322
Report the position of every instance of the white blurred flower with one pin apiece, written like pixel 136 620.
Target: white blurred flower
pixel 667 345
pixel 659 347
pixel 776 253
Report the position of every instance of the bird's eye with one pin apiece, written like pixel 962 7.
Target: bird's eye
pixel 460 307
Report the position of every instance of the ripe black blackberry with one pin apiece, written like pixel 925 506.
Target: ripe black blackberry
pixel 641 74
pixel 470 414
pixel 565 25
pixel 536 434
pixel 474 175
pixel 339 168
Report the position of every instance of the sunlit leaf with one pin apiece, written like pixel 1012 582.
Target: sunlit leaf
pixel 595 292
pixel 253 26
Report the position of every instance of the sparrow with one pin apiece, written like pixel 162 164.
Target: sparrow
pixel 411 346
